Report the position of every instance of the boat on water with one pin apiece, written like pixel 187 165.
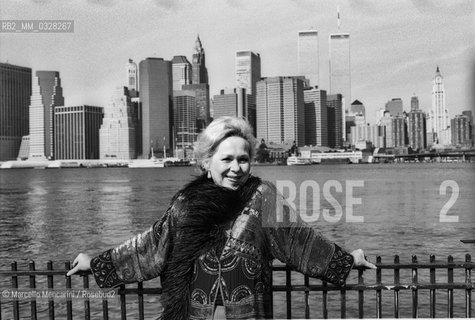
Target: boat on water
pixel 298 161
pixel 147 163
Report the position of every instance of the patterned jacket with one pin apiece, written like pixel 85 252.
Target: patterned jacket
pixel 235 271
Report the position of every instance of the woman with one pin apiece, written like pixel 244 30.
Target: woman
pixel 214 246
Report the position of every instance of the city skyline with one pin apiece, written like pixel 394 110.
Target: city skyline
pixel 395 47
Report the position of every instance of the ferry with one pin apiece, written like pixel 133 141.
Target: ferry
pixel 147 163
pixel 298 161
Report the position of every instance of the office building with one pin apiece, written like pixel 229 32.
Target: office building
pixel 316 118
pixel 15 92
pixel 155 83
pixel 185 114
pixel 280 110
pixel 132 76
pixel 394 130
pixel 394 107
pixel 416 127
pixel 362 134
pixel 231 103
pixel 117 135
pixel 439 115
pixel 335 120
pixel 307 56
pixel 47 94
pixel 340 67
pixel 182 71
pixel 357 108
pixel 248 72
pixel 461 131
pixel 199 71
pixel 76 132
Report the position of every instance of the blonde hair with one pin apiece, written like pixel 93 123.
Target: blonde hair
pixel 219 130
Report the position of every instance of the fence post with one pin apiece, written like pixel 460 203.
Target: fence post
pixel 49 267
pixel 307 293
pixel 414 288
pixel 140 298
pixel 87 307
pixel 468 291
pixel 16 305
pixel 288 293
pixel 379 303
pixel 450 292
pixel 123 306
pixel 69 304
pixel 325 300
pixel 396 282
pixel 432 291
pixel 360 295
pixel 32 286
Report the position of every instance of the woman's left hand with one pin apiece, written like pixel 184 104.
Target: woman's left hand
pixel 360 261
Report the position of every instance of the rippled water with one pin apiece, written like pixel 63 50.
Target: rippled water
pixel 54 214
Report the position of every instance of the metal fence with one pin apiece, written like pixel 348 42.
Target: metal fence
pixel 421 282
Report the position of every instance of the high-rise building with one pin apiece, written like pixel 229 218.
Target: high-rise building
pixel 117 135
pixel 414 103
pixel 15 93
pixel 307 56
pixel 316 119
pixel 416 126
pixel 132 76
pixel 47 94
pixel 460 127
pixel 181 68
pixel 199 71
pixel 232 104
pixel 280 110
pixel 394 130
pixel 155 83
pixel 248 72
pixel 368 133
pixel 76 132
pixel 185 112
pixel 335 120
pixel 439 115
pixel 340 67
pixel 394 107
pixel 357 108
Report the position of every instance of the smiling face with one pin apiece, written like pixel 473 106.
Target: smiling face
pixel 230 165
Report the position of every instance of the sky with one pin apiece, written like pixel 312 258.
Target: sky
pixel 396 46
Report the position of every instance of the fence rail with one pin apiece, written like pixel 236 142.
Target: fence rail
pixel 422 278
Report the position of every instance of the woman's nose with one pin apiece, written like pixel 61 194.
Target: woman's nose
pixel 235 165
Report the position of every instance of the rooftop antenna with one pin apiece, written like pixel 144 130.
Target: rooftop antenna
pixel 338 17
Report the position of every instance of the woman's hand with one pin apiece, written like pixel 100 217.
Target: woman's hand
pixel 81 263
pixel 360 261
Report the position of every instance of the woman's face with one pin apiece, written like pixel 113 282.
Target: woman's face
pixel 230 164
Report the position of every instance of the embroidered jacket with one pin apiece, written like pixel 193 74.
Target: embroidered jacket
pixel 237 269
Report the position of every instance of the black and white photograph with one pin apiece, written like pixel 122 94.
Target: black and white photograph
pixel 237 159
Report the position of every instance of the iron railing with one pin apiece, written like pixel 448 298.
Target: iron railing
pixel 310 299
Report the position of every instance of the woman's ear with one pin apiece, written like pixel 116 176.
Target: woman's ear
pixel 205 164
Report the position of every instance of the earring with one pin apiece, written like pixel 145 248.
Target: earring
pixel 209 174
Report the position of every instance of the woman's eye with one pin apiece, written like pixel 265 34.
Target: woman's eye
pixel 243 160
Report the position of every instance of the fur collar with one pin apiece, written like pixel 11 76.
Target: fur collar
pixel 203 211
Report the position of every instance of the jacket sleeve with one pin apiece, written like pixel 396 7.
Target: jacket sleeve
pixel 138 259
pixel 295 243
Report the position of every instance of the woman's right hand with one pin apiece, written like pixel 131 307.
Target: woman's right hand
pixel 81 263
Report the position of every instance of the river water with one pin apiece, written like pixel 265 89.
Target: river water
pixel 386 209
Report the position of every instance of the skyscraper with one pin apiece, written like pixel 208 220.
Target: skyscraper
pixel 77 132
pixel 15 92
pixel 117 134
pixel 307 56
pixel 340 67
pixel 416 129
pixel 199 85
pixel 248 72
pixel 181 68
pixel 394 107
pixel 439 115
pixel 47 94
pixel 316 119
pixel 232 104
pixel 155 82
pixel 132 77
pixel 280 110
pixel 335 120
pixel 460 127
pixel 200 73
pixel 184 111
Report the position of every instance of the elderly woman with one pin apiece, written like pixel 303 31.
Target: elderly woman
pixel 214 246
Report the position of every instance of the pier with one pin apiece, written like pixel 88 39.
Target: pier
pixel 430 288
